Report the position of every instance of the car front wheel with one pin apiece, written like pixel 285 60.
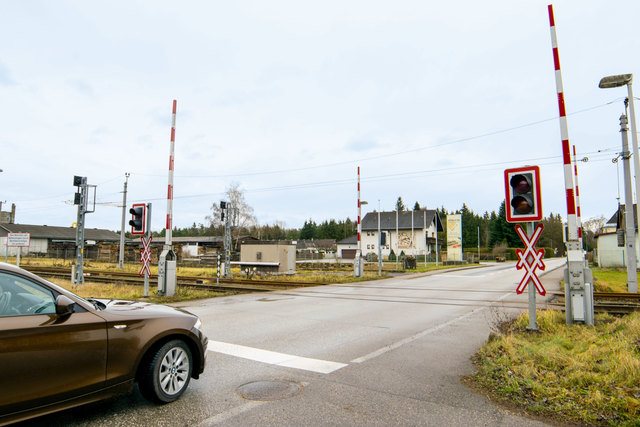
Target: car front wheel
pixel 167 372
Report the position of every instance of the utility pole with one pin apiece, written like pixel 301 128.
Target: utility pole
pixel 124 212
pixel 629 214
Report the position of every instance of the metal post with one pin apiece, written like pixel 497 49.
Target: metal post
pixel 426 237
pixel 397 239
pixel 148 237
pixel 124 211
pixel 533 320
pixel 227 241
pixel 630 234
pixel 218 272
pixel 478 245
pixel 379 244
pixel 78 278
pixel 437 253
pixel 413 237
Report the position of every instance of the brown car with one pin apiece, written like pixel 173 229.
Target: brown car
pixel 58 350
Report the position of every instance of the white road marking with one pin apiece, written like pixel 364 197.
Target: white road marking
pixel 407 340
pixel 462 276
pixel 231 413
pixel 275 358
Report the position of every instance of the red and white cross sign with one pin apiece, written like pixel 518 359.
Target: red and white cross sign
pixel 530 259
pixel 145 256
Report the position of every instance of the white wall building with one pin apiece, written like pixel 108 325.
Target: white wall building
pixel 411 232
pixel 608 253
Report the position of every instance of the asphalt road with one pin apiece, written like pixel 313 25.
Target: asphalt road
pixel 380 353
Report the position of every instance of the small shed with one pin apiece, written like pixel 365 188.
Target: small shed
pixel 272 257
pixel 346 248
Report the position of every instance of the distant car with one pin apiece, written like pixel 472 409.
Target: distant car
pixel 58 350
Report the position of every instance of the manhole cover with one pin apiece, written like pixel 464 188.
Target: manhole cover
pixel 269 390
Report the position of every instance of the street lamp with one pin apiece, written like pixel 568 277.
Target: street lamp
pixel 617 81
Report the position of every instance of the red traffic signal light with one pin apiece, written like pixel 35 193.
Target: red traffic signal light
pixel 138 220
pixel 523 199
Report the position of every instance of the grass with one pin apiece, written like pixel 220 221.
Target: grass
pixel 136 293
pixel 610 279
pixel 578 374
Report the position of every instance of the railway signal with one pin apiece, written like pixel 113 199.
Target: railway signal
pixel 138 219
pixel 522 188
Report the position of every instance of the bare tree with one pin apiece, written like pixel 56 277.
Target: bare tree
pixel 594 224
pixel 234 196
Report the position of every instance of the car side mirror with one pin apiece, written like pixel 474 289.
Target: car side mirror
pixel 64 305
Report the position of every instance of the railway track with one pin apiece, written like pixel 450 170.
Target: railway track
pixel 614 303
pixel 609 302
pixel 187 281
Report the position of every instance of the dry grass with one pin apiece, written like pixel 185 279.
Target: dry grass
pixel 588 375
pixel 135 292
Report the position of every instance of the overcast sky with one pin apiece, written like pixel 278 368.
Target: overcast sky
pixel 433 100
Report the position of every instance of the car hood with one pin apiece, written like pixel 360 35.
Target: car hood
pixel 141 309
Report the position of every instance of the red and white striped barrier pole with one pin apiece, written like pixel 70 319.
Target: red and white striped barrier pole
pixel 578 278
pixel 169 226
pixel 564 134
pixel 358 260
pixel 578 215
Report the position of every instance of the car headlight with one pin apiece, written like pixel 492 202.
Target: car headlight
pixel 198 325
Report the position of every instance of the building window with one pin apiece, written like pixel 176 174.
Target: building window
pixel 373 246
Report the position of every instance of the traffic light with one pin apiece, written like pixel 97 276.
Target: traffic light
pixel 522 188
pixel 77 182
pixel 138 219
pixel 223 206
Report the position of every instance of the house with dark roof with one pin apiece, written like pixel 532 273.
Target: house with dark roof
pixel 55 242
pixel 411 232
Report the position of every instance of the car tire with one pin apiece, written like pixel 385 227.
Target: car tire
pixel 166 374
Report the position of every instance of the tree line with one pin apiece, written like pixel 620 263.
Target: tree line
pixel 491 228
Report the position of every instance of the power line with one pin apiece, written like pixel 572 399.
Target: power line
pixel 394 154
pixel 468 168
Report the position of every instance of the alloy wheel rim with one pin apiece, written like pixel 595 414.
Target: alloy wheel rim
pixel 174 371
